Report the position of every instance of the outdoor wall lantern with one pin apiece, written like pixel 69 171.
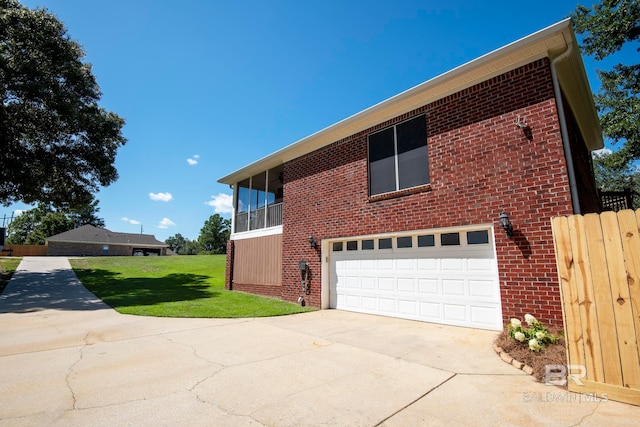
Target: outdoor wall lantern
pixel 312 242
pixel 506 223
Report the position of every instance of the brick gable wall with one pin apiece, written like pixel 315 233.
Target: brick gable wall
pixel 480 163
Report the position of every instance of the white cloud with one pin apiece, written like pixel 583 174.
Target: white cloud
pixel 602 152
pixel 130 221
pixel 222 203
pixel 193 160
pixel 18 212
pixel 161 197
pixel 166 223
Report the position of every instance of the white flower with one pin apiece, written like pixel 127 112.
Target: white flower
pixel 530 319
pixel 540 335
pixel 515 323
pixel 519 336
pixel 534 345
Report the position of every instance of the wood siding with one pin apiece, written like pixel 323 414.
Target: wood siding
pixel 598 258
pixel 258 261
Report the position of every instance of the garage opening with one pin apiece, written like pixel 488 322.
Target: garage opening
pixel 447 276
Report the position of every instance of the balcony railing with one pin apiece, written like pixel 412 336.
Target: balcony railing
pixel 271 216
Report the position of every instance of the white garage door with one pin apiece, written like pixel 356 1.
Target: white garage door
pixel 447 277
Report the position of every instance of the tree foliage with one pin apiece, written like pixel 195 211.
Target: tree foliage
pixel 614 178
pixel 58 144
pixel 34 226
pixel 214 234
pixel 605 29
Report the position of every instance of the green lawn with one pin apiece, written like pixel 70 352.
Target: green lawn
pixel 173 286
pixel 7 267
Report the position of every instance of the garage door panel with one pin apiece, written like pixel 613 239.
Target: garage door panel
pixel 406 285
pixel 407 307
pixel 452 264
pixel 427 264
pixel 482 289
pixel 369 303
pixel 452 287
pixel 455 313
pixel 387 305
pixel 480 265
pixel 430 311
pixel 367 264
pixel 442 284
pixel 405 264
pixel 428 287
pixel 485 315
pixel 385 264
pixel 369 282
pixel 386 284
pixel 353 282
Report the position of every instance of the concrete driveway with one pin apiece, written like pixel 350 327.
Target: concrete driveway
pixel 68 359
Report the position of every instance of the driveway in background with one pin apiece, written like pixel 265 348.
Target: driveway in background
pixel 68 359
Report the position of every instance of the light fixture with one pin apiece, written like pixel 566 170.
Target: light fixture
pixel 506 223
pixel 312 242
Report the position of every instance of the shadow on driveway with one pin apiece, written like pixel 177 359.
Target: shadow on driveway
pixel 58 289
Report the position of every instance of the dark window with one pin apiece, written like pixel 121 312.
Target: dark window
pixel 426 241
pixel 337 246
pixel 405 242
pixel 450 239
pixel 367 245
pixel 384 243
pixel 352 245
pixel 398 157
pixel 477 237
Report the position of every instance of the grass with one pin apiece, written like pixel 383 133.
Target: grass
pixel 7 268
pixel 176 286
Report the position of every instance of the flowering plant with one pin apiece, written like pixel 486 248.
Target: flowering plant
pixel 536 335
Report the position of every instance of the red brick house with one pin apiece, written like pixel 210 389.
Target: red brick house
pixel 93 241
pixel 396 209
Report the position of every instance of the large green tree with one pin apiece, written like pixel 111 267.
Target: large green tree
pixel 34 226
pixel 58 144
pixel 605 29
pixel 214 234
pixel 177 243
pixel 613 178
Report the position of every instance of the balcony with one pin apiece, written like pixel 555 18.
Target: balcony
pixel 271 216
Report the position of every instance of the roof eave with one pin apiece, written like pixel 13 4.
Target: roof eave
pixel 547 42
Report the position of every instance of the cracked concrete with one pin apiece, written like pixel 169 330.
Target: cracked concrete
pixel 67 359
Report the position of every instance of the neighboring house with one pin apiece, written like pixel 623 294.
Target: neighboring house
pixel 395 210
pixel 92 241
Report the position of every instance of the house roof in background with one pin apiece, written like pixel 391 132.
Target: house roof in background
pixel 550 42
pixel 91 234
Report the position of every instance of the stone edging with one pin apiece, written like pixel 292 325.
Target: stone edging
pixel 513 362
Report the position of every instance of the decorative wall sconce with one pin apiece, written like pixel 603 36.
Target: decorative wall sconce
pixel 312 242
pixel 522 124
pixel 505 222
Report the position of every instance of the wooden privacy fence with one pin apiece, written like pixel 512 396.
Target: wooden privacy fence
pixel 598 258
pixel 24 250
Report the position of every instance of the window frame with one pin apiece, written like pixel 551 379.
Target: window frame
pixel 396 158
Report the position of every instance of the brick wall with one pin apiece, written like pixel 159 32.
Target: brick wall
pixel 480 163
pixel 86 249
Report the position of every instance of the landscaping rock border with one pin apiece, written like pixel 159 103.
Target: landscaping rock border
pixel 513 362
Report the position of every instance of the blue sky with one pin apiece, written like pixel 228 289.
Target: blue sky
pixel 207 87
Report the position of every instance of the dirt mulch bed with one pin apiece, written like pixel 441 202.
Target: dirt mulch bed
pixel 553 354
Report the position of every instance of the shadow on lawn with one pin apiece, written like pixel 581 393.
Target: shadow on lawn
pixel 135 291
